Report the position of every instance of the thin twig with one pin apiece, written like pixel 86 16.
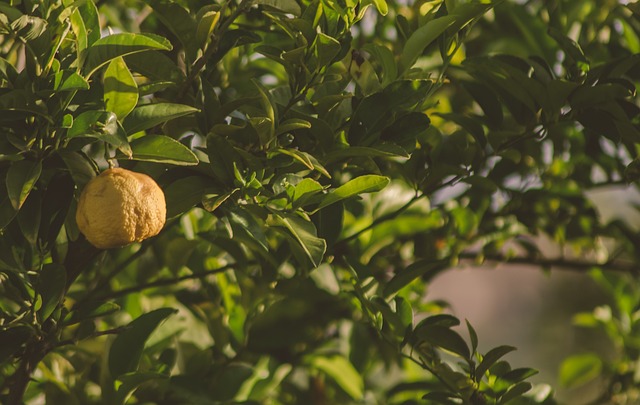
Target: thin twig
pixel 167 281
pixel 560 263
pixel 393 215
pixel 384 218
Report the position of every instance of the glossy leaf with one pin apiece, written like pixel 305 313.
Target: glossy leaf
pixel 30 215
pixel 420 268
pixel 120 90
pixel 21 178
pixel 514 392
pixel 444 338
pixel 342 372
pixel 102 125
pixel 491 358
pixel 149 115
pixel 126 350
pixel 305 233
pixel 360 185
pixel 52 285
pixel 422 37
pixel 162 149
pixel 112 46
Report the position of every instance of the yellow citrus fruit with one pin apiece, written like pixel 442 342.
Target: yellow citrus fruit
pixel 120 207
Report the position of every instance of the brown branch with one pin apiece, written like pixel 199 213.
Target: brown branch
pixel 559 263
pixel 18 382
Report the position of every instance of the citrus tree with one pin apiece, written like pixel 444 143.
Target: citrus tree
pixel 321 161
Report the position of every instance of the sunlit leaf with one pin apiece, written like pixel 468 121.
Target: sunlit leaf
pixel 112 46
pixel 120 90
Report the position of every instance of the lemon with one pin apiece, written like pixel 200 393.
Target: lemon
pixel 119 207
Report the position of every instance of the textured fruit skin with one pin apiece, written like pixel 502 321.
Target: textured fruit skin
pixel 120 207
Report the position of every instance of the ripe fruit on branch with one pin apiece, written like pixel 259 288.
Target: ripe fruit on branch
pixel 119 207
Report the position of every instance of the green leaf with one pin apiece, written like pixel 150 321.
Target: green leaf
pixel 80 32
pixel 7 212
pixel 24 101
pixel 301 157
pixel 441 397
pixel 285 6
pixel 329 222
pixel 518 374
pixel 30 215
pixel 211 202
pixel 305 233
pixel 112 46
pixel 579 369
pixel 120 90
pixel 89 13
pixel 51 287
pixel 514 392
pixel 491 358
pixel 386 59
pixel 185 193
pixel 21 178
pixel 364 74
pixel 342 372
pixel 162 149
pixel 383 150
pixel 306 188
pixel 131 382
pixel 126 350
pixel 268 103
pixel 91 310
pixel 487 100
pixel 473 336
pixel 291 125
pixel 570 47
pixel 149 115
pixel 248 229
pixel 422 37
pixel 442 320
pixel 155 65
pixel 381 6
pixel 81 167
pixel 207 21
pixel 364 184
pixel 412 272
pixel 327 48
pixel 444 338
pixel 180 22
pixel 231 381
pixel 222 156
pixel 69 81
pixel 102 125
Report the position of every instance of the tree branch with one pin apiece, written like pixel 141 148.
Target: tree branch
pixel 384 218
pixel 561 263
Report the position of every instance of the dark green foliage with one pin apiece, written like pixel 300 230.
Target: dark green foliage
pixel 322 162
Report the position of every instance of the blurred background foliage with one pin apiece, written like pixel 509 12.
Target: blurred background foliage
pixel 325 164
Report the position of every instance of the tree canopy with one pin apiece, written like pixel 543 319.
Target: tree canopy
pixel 322 161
